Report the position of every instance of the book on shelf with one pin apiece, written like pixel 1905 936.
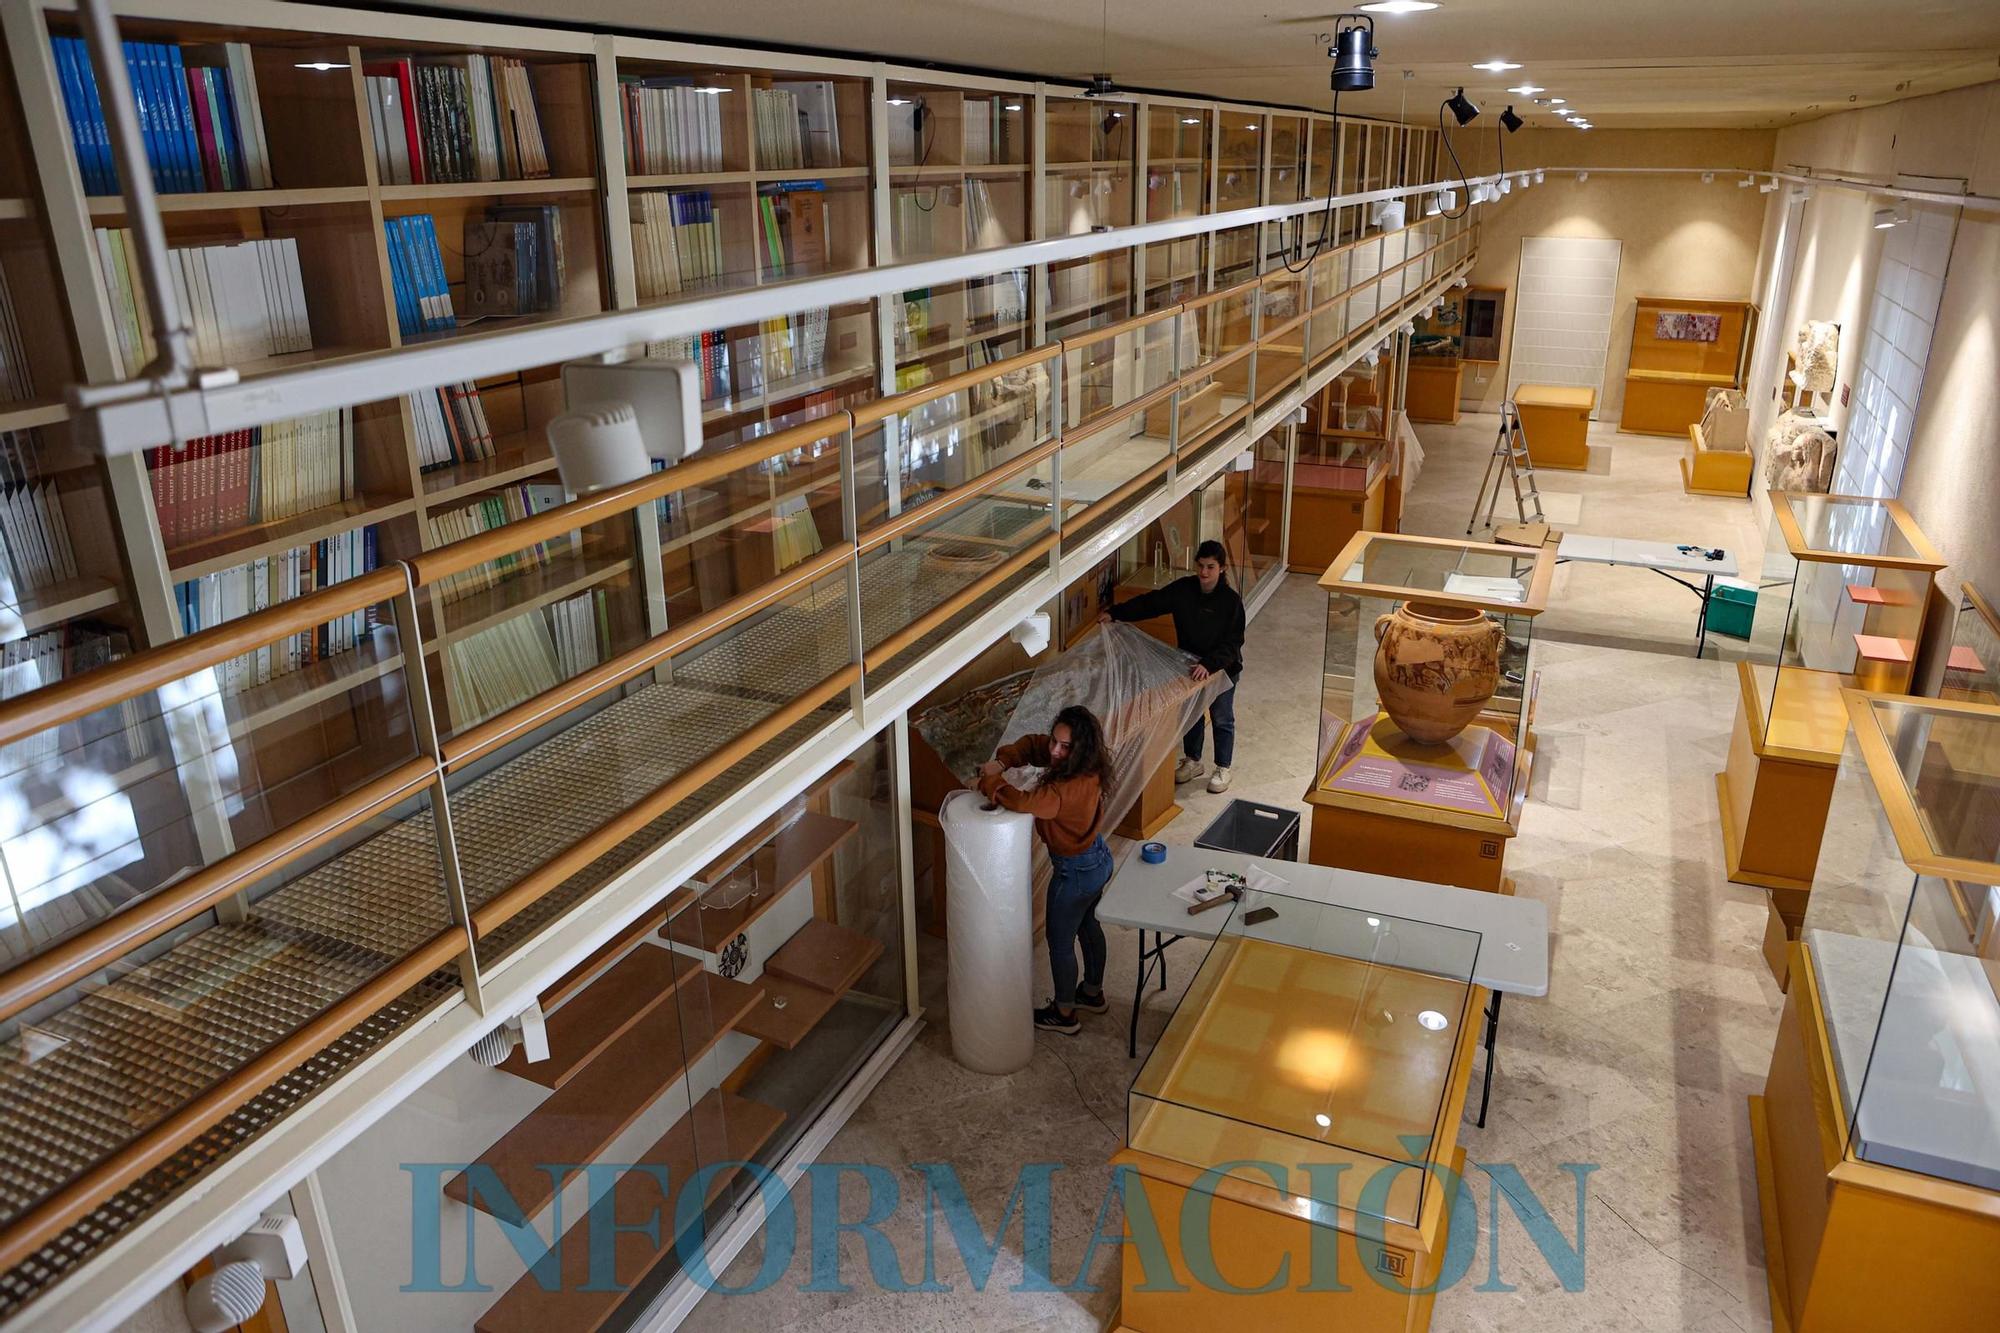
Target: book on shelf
pixel 514 260
pixel 17 381
pixel 997 301
pixel 508 505
pixel 222 483
pixel 910 319
pixel 794 532
pixel 672 126
pixel 676 242
pixel 990 132
pixel 35 548
pixel 199 118
pixel 503 664
pixel 798 125
pixel 913 221
pixel 243 300
pixel 451 426
pixel 37 660
pixel 709 350
pixel 793 220
pixel 453 120
pixel 270 580
pixel 421 295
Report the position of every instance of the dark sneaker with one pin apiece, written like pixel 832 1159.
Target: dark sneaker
pixel 1093 1002
pixel 1051 1019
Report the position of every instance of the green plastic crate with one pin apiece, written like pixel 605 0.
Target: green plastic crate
pixel 1731 610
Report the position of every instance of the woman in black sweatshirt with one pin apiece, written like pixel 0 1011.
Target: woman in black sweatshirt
pixel 1209 623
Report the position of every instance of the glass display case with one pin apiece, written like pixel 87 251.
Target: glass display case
pixel 1316 1052
pixel 1840 601
pixel 1427 695
pixel 1878 1131
pixel 1972 670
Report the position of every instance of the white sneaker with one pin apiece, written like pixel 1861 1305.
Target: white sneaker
pixel 1219 781
pixel 1187 770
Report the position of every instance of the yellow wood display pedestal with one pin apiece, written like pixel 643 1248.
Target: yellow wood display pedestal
pixel 1383 836
pixel 1852 1245
pixel 1775 792
pixel 1156 807
pixel 1325 520
pixel 1659 402
pixel 1431 389
pixel 1706 471
pixel 1556 420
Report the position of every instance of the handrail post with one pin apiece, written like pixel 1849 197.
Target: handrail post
pixel 850 526
pixel 423 723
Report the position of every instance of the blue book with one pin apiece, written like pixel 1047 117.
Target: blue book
pixel 399 282
pixel 440 289
pixel 169 115
pixel 190 139
pixel 139 68
pixel 100 135
pixel 222 97
pixel 417 274
pixel 77 111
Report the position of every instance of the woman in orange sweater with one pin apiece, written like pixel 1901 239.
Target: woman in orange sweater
pixel 1068 805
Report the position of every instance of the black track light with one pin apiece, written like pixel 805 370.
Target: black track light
pixel 1100 86
pixel 1462 108
pixel 1353 53
pixel 1509 119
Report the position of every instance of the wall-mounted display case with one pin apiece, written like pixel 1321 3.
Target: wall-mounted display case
pixel 1878 1133
pixel 1322 1042
pixel 1841 601
pixel 1426 705
pixel 1682 348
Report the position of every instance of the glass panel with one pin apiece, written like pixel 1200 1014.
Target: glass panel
pixel 1086 294
pixel 1972 671
pixel 1207 405
pixel 105 811
pixel 1320 1035
pixel 1091 147
pixel 756 377
pixel 940 331
pixel 1104 374
pixel 933 447
pixel 1849 527
pixel 1097 466
pixel 906 579
pixel 1239 161
pixel 1225 324
pixel 1235 256
pixel 1264 509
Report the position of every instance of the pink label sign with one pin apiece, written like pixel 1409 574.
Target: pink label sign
pixel 1472 777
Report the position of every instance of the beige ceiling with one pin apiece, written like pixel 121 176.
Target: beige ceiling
pixel 1626 63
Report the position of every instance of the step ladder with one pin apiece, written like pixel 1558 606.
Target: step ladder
pixel 1511 465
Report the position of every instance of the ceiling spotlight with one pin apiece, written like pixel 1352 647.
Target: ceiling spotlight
pixel 1397 6
pixel 1582 176
pixel 1390 214
pixel 1433 1020
pixel 1527 90
pixel 1497 66
pixel 1746 182
pixel 1013 106
pixel 1768 187
pixel 1190 120
pixel 1461 108
pixel 321 66
pixel 1506 185
pixel 1538 175
pixel 1509 119
pixel 1353 54
pixel 1708 178
pixel 1100 86
pixel 1558 101
pixel 1886 218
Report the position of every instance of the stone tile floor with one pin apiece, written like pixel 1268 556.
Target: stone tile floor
pixel 1658 1022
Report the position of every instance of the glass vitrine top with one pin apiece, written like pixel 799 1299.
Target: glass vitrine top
pixel 1851 528
pixel 1316 1034
pixel 1932 762
pixel 1512 579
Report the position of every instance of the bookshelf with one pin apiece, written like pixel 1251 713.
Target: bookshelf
pixel 958 180
pixel 1285 180
pixel 1177 168
pixel 1089 179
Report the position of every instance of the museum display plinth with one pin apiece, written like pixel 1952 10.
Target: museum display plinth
pixel 1710 471
pixel 1840 603
pixel 1383 801
pixel 1337 1074
pixel 1556 420
pixel 1878 1133
pixel 1431 391
pixel 1681 348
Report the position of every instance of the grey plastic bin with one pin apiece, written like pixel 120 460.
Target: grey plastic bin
pixel 1269 831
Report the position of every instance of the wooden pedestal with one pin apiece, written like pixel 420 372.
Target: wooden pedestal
pixel 1853 1245
pixel 1432 389
pixel 1556 420
pixel 1706 471
pixel 1662 403
pixel 1155 808
pixel 1774 795
pixel 1325 520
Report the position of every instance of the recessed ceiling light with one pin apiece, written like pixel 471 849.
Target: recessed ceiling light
pixel 713 92
pixel 1190 120
pixel 899 101
pixel 1397 6
pixel 321 65
pixel 1558 101
pixel 1322 1121
pixel 1013 106
pixel 1433 1020
pixel 1497 66
pixel 1527 89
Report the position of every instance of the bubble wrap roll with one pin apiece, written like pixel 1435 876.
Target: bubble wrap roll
pixel 989 933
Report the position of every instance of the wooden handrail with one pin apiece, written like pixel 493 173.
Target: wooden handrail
pixel 98 946
pixel 1112 499
pixel 1981 605
pixel 1289 326
pixel 1215 429
pixel 471 552
pixel 867 414
pixel 48 1219
pixel 1092 425
pixel 938 506
pixel 108 686
pixel 1122 327
pixel 1194 303
pixel 1219 364
pixel 886 650
pixel 509 903
pixel 467 746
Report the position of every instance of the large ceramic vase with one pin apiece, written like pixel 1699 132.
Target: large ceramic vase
pixel 1435 668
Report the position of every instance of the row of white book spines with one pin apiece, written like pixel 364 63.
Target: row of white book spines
pixel 518 658
pixel 243 300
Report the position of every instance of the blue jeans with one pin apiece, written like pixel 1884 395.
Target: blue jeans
pixel 1074 888
pixel 1223 713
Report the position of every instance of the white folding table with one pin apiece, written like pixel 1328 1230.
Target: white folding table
pixel 1513 949
pixel 1667 559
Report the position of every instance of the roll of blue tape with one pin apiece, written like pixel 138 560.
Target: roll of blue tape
pixel 1153 853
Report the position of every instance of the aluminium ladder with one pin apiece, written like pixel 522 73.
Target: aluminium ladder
pixel 1509 463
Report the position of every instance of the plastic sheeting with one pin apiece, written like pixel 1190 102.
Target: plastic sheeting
pixel 1138 687
pixel 989 933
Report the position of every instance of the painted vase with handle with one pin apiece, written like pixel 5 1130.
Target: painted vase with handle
pixel 1435 667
